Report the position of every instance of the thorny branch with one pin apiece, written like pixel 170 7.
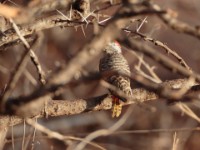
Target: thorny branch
pixel 78 14
pixel 52 22
pixel 165 47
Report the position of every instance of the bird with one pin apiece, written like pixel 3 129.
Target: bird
pixel 114 61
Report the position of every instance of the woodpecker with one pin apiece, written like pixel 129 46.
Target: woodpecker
pixel 113 60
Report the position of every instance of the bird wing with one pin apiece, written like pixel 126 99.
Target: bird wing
pixel 116 62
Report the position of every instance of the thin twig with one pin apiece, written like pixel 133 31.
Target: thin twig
pixel 49 6
pixel 188 111
pixel 24 135
pixel 36 63
pixel 175 142
pixel 105 132
pixel 58 136
pixel 171 21
pixel 20 67
pixel 156 131
pixel 168 50
pixel 33 56
pixel 12 136
pixel 33 138
pixel 158 57
pixel 154 77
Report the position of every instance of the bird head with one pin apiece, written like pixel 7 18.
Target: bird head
pixel 113 47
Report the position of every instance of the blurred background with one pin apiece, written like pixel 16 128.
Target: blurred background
pixel 58 45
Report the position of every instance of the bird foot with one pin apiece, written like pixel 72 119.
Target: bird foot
pixel 116 107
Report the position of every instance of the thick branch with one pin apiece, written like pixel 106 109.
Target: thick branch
pixel 72 107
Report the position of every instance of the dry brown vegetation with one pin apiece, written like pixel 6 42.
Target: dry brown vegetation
pixel 53 97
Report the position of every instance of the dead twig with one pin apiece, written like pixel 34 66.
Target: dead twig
pixel 20 67
pixel 168 50
pixel 58 136
pixel 171 21
pixel 105 132
pixel 158 57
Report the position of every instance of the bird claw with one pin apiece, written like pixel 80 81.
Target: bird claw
pixel 116 107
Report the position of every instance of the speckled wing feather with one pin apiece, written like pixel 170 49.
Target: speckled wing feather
pixel 116 62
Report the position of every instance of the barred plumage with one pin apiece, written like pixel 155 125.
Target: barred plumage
pixel 113 60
